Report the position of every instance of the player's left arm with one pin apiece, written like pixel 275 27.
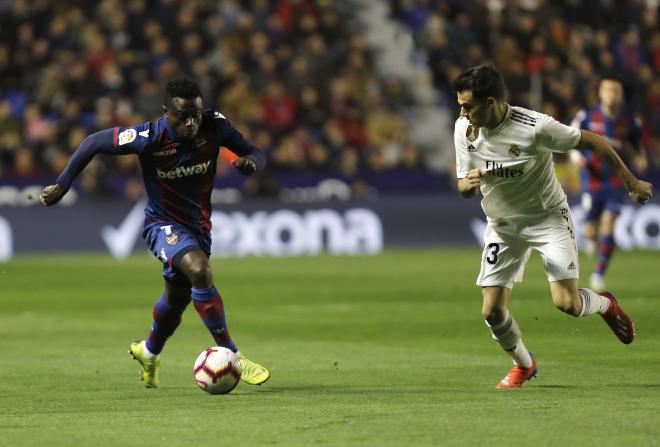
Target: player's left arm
pixel 252 159
pixel 639 190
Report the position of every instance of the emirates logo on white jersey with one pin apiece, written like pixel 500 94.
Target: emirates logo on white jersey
pixel 499 170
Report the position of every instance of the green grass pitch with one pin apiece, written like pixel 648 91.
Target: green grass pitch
pixel 387 350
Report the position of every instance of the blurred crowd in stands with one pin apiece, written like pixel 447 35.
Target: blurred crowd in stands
pixel 296 76
pixel 551 53
pixel 292 75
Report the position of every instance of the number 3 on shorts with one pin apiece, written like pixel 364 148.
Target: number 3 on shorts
pixel 493 249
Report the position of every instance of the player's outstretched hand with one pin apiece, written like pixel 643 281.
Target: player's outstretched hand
pixel 246 165
pixel 640 191
pixel 52 194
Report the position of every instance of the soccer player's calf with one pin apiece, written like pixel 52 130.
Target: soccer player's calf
pixel 188 276
pixel 205 297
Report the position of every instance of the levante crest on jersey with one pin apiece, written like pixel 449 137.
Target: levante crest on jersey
pixel 514 151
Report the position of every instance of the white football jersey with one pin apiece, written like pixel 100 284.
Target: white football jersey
pixel 516 157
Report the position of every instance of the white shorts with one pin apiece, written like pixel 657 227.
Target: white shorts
pixel 507 247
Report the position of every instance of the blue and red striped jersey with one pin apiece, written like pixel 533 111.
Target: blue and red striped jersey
pixel 177 173
pixel 622 132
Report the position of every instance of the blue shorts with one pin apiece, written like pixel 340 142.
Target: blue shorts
pixel 595 202
pixel 169 242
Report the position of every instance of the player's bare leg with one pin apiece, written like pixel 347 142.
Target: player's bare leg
pixel 565 296
pixel 208 303
pixel 584 302
pixel 505 331
pixel 590 230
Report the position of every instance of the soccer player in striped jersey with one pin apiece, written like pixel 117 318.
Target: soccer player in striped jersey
pixel 603 192
pixel 178 155
pixel 505 152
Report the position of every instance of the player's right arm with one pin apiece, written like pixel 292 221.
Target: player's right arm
pixel 560 138
pixel 574 155
pixel 114 141
pixel 639 190
pixel 469 180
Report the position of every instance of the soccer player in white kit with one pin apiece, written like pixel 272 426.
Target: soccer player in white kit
pixel 505 152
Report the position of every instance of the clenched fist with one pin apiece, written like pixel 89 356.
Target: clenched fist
pixel 474 177
pixel 246 165
pixel 52 194
pixel 640 191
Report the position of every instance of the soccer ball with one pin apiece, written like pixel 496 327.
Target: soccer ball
pixel 217 370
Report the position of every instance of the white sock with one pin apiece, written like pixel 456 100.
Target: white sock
pixel 521 356
pixel 148 354
pixel 593 303
pixel 508 335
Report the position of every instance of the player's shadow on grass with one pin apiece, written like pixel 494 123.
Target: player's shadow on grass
pixel 556 386
pixel 341 390
pixel 635 385
pixel 604 386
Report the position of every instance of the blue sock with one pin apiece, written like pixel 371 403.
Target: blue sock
pixel 605 250
pixel 166 320
pixel 212 312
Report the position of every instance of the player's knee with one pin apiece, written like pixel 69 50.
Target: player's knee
pixel 201 276
pixel 493 314
pixel 590 232
pixel 195 265
pixel 199 273
pixel 606 229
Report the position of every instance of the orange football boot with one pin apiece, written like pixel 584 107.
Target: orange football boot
pixel 518 375
pixel 619 321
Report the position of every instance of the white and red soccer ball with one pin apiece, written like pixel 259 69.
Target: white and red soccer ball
pixel 217 370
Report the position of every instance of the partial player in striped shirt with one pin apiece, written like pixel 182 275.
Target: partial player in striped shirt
pixel 603 191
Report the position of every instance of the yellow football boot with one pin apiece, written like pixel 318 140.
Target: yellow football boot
pixel 148 366
pixel 253 373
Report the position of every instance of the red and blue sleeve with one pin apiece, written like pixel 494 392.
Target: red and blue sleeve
pixel 115 141
pixel 635 136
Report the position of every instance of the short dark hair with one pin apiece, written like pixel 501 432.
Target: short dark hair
pixel 612 76
pixel 184 88
pixel 483 81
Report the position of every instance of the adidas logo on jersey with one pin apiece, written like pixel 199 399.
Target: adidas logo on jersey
pixel 571 266
pixel 184 171
pixel 471 148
